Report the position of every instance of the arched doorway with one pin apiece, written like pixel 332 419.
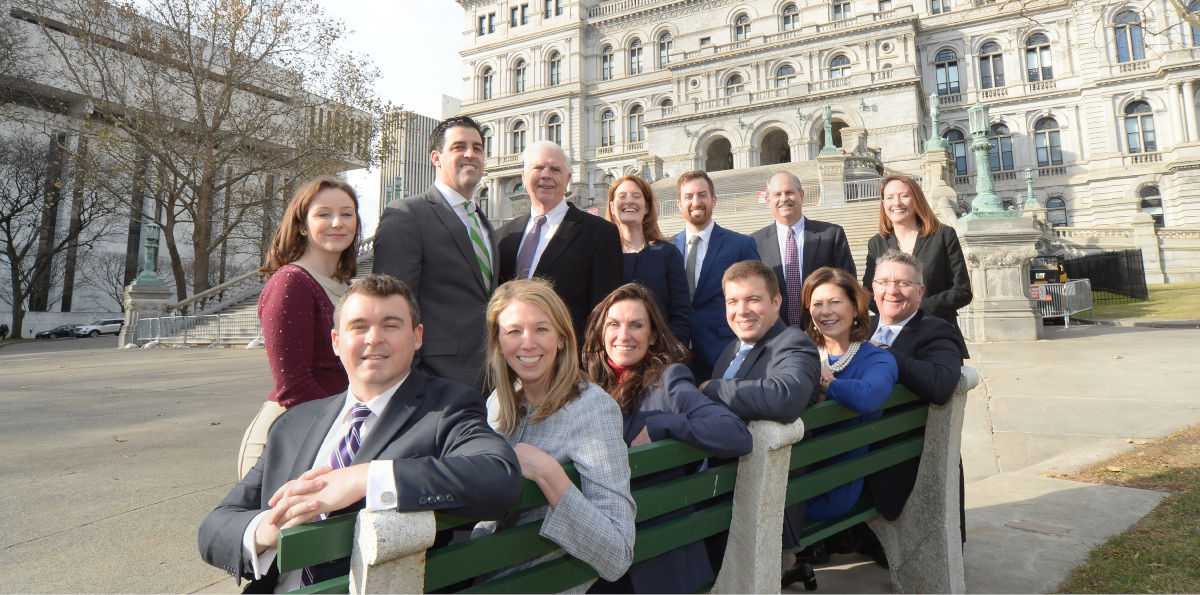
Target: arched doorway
pixel 838 126
pixel 774 148
pixel 719 155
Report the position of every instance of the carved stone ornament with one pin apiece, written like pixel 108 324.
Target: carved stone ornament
pixel 991 259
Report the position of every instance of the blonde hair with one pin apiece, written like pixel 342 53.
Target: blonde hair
pixel 565 384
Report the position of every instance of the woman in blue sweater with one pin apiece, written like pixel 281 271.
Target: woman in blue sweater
pixel 854 372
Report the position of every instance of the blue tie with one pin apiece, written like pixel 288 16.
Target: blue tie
pixel 736 364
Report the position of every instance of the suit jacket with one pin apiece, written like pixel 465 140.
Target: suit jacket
pixel 929 353
pixel 824 245
pixel 435 433
pixel 659 266
pixel 947 284
pixel 422 242
pixel 582 260
pixel 710 332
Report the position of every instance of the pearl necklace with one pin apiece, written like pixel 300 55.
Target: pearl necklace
pixel 843 361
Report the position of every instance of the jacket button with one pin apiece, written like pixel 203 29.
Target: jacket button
pixel 439 499
pixel 422 500
pixel 449 497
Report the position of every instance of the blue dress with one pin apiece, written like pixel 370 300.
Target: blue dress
pixel 659 266
pixel 862 387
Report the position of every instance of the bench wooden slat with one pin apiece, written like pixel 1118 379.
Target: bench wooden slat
pixel 812 450
pixel 819 481
pixel 831 412
pixel 314 543
pixel 674 533
pixel 660 499
pixel 457 561
pixel 339 584
pixel 815 531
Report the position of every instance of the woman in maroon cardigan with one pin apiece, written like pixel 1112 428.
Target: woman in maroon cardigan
pixel 310 263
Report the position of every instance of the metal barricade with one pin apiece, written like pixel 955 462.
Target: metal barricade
pixel 210 329
pixel 1062 299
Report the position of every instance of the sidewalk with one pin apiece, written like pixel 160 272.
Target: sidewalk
pixel 1053 406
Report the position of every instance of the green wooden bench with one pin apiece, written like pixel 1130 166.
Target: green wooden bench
pixel 393 549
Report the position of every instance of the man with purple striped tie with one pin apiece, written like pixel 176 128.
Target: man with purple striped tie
pixel 396 439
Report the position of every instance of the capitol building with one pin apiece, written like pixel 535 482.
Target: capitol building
pixel 1094 102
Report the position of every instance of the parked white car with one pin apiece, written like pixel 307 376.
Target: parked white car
pixel 108 326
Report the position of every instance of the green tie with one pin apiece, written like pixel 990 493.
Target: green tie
pixel 691 264
pixel 481 251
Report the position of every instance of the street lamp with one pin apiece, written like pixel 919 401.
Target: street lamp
pixel 985 203
pixel 148 275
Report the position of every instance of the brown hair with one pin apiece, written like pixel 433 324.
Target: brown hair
pixel 752 268
pixel 695 174
pixel 380 285
pixel 650 230
pixel 664 349
pixel 288 243
pixel 565 385
pixel 861 329
pixel 929 222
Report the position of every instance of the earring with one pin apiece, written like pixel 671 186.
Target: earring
pixel 855 322
pixel 303 232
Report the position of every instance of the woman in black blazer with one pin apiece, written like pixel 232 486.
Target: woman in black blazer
pixel 649 258
pixel 906 223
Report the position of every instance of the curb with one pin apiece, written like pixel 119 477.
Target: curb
pixel 1139 322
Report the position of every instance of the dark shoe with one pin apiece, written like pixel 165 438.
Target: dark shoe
pixel 803 572
pixel 816 553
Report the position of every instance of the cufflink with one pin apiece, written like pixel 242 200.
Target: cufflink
pixel 388 498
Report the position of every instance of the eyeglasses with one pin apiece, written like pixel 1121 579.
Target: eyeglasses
pixel 901 283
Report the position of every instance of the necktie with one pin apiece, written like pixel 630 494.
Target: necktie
pixel 529 248
pixel 736 364
pixel 482 255
pixel 883 335
pixel 693 242
pixel 795 285
pixel 341 457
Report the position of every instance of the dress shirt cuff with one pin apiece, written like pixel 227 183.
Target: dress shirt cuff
pixel 257 562
pixel 381 486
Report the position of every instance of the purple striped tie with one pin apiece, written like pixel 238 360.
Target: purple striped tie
pixel 529 248
pixel 795 284
pixel 341 457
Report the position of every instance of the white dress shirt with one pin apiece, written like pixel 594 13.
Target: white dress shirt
pixel 781 230
pixel 896 327
pixel 554 219
pixel 701 248
pixel 381 482
pixel 456 201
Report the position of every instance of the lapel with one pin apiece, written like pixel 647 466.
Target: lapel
pixel 917 244
pixel 716 242
pixel 759 348
pixel 810 249
pixel 908 333
pixel 458 232
pixel 680 243
pixel 321 423
pixel 401 407
pixel 771 256
pixel 510 244
pixel 570 227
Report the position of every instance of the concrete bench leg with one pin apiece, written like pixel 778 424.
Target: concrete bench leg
pixel 389 551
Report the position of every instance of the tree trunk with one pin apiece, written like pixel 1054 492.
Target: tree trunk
pixel 76 226
pixel 201 232
pixel 134 238
pixel 18 298
pixel 39 288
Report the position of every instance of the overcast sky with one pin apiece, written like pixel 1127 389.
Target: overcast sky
pixel 415 43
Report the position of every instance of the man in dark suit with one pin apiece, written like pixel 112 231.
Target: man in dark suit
pixel 708 249
pixel 579 253
pixel 395 439
pixel 795 246
pixel 441 245
pixel 929 354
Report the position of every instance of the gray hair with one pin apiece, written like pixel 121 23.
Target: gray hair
pixel 795 179
pixel 899 257
pixel 544 144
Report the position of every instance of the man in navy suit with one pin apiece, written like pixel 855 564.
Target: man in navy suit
pixel 795 246
pixel 708 249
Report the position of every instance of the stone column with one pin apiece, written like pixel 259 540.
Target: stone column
pixel 998 250
pixel 831 172
pixel 1189 111
pixel 147 296
pixel 1177 120
pixel 937 182
pixel 1145 237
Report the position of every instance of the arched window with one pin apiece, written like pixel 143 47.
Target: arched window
pixel 839 67
pixel 1046 139
pixel 958 148
pixel 666 102
pixel 608 135
pixel 1056 211
pixel 1150 202
pixel 487 141
pixel 1037 58
pixel 635 57
pixel 1139 128
pixel 939 6
pixel 606 63
pixel 1194 8
pixel 664 49
pixel 485 82
pixel 518 76
pixel 785 75
pixel 554 129
pixel 741 27
pixel 734 84
pixel 1127 32
pixel 636 132
pixel 946 69
pixel 1000 156
pixel 991 66
pixel 554 65
pixel 517 138
pixel 791 17
pixel 841 9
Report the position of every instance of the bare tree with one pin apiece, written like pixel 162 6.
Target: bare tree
pixel 104 272
pixel 204 99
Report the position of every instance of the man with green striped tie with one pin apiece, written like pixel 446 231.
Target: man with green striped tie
pixel 442 245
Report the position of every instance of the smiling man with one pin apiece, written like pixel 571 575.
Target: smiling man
pixel 441 245
pixel 396 439
pixel 579 253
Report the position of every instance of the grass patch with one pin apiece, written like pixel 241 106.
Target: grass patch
pixel 1175 300
pixel 1161 552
